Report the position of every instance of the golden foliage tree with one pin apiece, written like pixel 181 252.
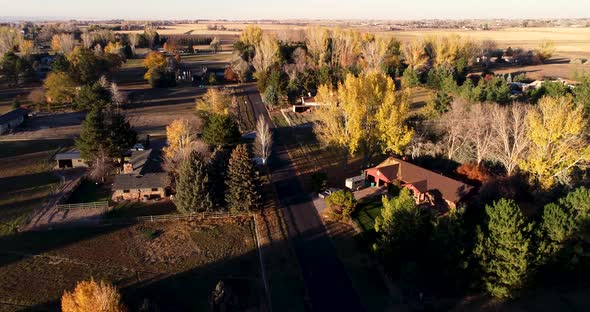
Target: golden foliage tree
pixel 251 35
pixel 60 88
pixel 266 55
pixel 369 114
pixel 415 55
pixel 26 47
pixel 215 101
pixel 316 40
pixel 92 296
pixel 180 134
pixel 557 130
pixel 63 43
pixel 154 61
pixel 545 50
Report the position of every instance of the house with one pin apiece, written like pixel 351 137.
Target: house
pixel 137 162
pixel 70 159
pixel 140 187
pixel 12 119
pixel 427 186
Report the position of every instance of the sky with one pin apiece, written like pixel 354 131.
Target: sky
pixel 295 9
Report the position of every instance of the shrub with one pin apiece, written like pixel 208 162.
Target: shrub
pixel 474 172
pixel 90 296
pixel 341 204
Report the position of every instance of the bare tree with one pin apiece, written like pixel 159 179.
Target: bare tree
pixel 374 53
pixel 116 96
pixel 510 135
pixel 453 126
pixel 87 39
pixel 263 142
pixel 239 66
pixel 479 132
pixel 133 41
pixel 100 167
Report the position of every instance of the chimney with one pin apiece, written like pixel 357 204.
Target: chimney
pixel 127 168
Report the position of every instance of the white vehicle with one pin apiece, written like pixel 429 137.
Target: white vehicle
pixel 355 183
pixel 138 147
pixel 328 192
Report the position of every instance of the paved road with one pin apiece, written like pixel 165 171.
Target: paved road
pixel 327 282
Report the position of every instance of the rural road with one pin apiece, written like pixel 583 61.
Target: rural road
pixel 326 280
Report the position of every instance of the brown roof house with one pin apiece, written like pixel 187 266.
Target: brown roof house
pixel 140 187
pixel 136 182
pixel 427 186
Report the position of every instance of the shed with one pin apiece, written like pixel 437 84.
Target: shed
pixel 12 119
pixel 70 159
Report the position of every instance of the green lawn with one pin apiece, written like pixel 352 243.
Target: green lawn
pixel 88 192
pixel 366 212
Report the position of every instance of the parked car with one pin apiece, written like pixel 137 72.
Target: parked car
pixel 328 192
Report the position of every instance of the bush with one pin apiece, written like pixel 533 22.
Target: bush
pixel 341 204
pixel 474 172
pixel 92 296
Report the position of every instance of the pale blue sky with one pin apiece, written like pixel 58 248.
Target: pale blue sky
pixel 287 9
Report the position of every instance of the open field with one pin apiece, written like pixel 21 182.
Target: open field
pixel 25 179
pixel 174 265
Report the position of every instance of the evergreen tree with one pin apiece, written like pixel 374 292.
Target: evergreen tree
pixel 93 136
pixel 121 135
pixel 221 130
pixel 241 194
pixel 193 187
pixel 404 230
pixel 92 96
pixel 565 230
pixel 217 175
pixel 503 249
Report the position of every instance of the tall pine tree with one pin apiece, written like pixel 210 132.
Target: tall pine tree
pixel 241 194
pixel 93 136
pixel 121 135
pixel 503 249
pixel 193 187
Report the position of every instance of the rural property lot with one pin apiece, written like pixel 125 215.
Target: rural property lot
pixel 175 265
pixel 26 179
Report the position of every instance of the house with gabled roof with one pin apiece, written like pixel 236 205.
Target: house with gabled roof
pixel 427 186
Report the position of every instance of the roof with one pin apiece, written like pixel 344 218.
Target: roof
pixel 13 114
pixel 139 160
pixel 422 179
pixel 71 154
pixel 131 181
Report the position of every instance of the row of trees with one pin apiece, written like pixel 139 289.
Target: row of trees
pixel 503 254
pixel 548 141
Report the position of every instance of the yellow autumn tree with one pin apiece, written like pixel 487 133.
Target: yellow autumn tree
pixel 92 296
pixel 545 50
pixel 369 115
pixel 215 101
pixel 179 135
pixel 154 61
pixel 60 88
pixel 114 48
pixel 251 35
pixel 26 47
pixel 415 55
pixel 557 130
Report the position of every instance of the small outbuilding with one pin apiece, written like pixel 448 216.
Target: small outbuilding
pixel 12 119
pixel 140 187
pixel 70 159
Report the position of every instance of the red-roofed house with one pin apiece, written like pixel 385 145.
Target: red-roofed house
pixel 425 184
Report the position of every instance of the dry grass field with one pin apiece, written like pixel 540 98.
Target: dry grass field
pixel 174 264
pixel 25 179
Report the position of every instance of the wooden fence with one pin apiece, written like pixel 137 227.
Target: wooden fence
pixel 173 217
pixel 93 205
